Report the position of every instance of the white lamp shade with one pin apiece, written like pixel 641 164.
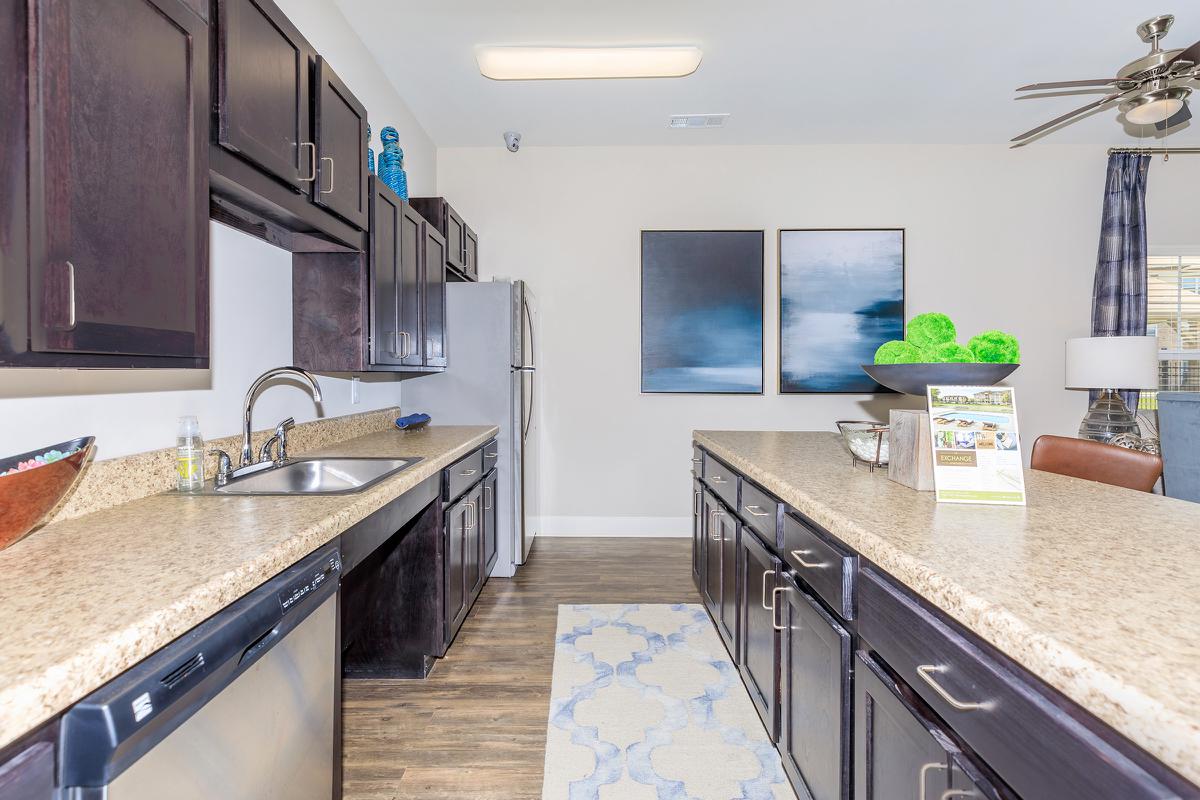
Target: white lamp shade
pixel 1112 362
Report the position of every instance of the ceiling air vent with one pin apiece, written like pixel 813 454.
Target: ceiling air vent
pixel 697 121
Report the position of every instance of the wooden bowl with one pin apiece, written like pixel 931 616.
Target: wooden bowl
pixel 27 498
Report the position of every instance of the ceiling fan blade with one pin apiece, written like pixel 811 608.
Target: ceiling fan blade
pixel 1191 54
pixel 1181 116
pixel 1035 87
pixel 1071 115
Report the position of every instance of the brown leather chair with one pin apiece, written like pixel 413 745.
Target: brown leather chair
pixel 1096 461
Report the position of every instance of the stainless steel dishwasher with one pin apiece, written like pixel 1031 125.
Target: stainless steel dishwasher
pixel 242 707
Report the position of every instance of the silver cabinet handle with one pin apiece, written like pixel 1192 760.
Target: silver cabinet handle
pixel 774 606
pixel 312 162
pixel 490 455
pixel 766 607
pixel 466 473
pixel 697 460
pixel 716 533
pixel 696 506
pixel 799 556
pixel 330 160
pixel 922 777
pixel 70 296
pixel 408 349
pixel 755 511
pixel 946 795
pixel 925 672
pixel 470 509
pixel 487 506
pixel 717 479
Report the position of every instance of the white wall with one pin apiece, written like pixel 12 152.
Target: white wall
pixel 996 238
pixel 133 411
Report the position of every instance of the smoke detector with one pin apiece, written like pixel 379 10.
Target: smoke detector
pixel 697 121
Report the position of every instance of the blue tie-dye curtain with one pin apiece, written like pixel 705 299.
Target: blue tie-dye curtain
pixel 1119 296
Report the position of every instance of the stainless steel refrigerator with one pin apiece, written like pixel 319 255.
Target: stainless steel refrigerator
pixel 491 379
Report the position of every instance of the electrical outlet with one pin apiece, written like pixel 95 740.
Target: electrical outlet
pixel 354 390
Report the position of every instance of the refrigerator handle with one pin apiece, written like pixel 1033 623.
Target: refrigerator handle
pixel 525 423
pixel 530 368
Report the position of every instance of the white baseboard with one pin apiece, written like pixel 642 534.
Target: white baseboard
pixel 615 527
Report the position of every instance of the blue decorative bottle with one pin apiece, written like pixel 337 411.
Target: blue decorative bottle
pixel 370 153
pixel 391 163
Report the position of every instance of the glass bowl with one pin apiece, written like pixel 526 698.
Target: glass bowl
pixel 867 441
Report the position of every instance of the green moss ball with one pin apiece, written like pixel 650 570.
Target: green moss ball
pixel 996 347
pixel 897 352
pixel 927 330
pixel 949 353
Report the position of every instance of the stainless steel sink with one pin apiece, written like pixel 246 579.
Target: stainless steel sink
pixel 318 475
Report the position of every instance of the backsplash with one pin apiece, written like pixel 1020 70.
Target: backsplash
pixel 121 480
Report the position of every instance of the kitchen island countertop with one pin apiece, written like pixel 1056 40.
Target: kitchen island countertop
pixel 1094 589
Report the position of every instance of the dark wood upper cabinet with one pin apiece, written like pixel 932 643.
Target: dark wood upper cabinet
pixel 433 293
pixel 462 243
pixel 340 131
pixel 116 271
pixel 394 267
pixel 262 88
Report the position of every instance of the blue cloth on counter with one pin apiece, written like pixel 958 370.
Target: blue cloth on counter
pixel 413 421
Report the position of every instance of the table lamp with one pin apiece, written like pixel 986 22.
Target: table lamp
pixel 1111 363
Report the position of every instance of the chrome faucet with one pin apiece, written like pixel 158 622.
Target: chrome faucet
pixel 280 433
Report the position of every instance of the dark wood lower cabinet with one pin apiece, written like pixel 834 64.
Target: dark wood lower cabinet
pixel 488 519
pixel 727 530
pixel 711 589
pixel 697 531
pixel 458 595
pixel 814 706
pixel 758 577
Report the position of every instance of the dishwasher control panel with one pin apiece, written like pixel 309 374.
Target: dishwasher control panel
pixel 329 568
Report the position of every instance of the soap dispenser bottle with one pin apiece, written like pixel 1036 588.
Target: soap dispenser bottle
pixel 189 456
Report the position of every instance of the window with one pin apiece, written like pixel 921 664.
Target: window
pixel 1174 318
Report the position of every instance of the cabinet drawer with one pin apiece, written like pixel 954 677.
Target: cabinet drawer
pixel 760 511
pixel 1037 742
pixel 721 479
pixel 490 456
pixel 463 474
pixel 697 461
pixel 823 565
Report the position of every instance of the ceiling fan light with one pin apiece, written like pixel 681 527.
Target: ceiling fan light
pixel 514 63
pixel 1157 106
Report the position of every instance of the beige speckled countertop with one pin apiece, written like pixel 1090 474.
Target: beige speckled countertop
pixel 84 599
pixel 1093 588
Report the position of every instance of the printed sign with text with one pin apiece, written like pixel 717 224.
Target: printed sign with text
pixel 976 447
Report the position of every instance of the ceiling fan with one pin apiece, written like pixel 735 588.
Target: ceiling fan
pixel 1151 89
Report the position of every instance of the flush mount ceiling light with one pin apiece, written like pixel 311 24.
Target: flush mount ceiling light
pixel 1157 106
pixel 518 63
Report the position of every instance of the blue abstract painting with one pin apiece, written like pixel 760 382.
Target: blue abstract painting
pixel 702 311
pixel 841 295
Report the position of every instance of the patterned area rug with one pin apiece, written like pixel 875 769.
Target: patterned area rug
pixel 644 703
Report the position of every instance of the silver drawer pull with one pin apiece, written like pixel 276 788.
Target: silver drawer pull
pixel 755 511
pixel 717 479
pixel 766 607
pixel 489 455
pixel 697 460
pixel 922 778
pixel 799 556
pixel 946 795
pixel 925 670
pixel 468 472
pixel 774 613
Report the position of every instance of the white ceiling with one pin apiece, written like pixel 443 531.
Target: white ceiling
pixel 789 71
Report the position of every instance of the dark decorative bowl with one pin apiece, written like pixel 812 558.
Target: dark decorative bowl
pixel 916 378
pixel 28 497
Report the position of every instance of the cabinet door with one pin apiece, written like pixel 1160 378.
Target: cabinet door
pixel 119 179
pixel 456 240
pixel 433 290
pixel 729 597
pixel 759 643
pixel 898 752
pixel 457 595
pixel 471 253
pixel 697 533
pixel 262 83
pixel 14 180
pixel 386 248
pixel 814 698
pixel 473 548
pixel 489 516
pixel 340 133
pixel 712 556
pixel 29 773
pixel 409 299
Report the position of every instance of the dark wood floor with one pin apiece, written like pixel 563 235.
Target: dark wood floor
pixel 476 728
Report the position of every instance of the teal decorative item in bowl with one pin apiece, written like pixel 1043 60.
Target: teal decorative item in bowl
pixel 930 355
pixel 33 484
